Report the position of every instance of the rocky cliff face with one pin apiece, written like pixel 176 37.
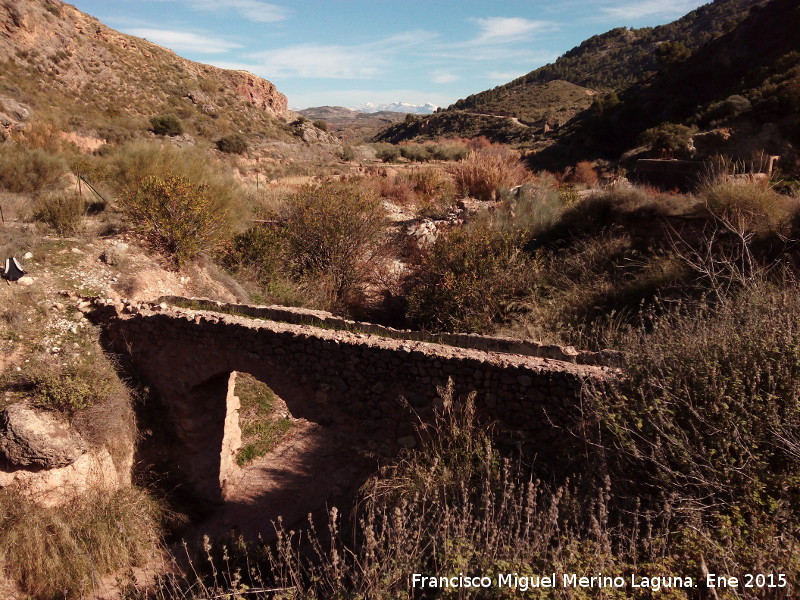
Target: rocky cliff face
pixel 57 57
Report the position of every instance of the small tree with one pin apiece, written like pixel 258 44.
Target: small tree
pixel 177 217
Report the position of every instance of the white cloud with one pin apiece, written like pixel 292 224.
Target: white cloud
pixel 184 41
pixel 504 76
pixel 252 10
pixel 631 11
pixel 440 76
pixel 317 61
pixel 502 30
pixel 332 61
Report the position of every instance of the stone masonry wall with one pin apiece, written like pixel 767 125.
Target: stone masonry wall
pixel 349 380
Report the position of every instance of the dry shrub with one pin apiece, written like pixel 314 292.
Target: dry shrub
pixel 484 174
pixel 333 237
pixel 584 174
pixel 396 189
pixel 748 204
pixel 323 248
pixel 61 211
pixel 468 279
pixel 26 170
pixel 63 552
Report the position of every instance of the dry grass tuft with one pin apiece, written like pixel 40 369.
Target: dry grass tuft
pixel 484 174
pixel 63 552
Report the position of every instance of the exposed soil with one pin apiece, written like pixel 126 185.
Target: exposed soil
pixel 313 469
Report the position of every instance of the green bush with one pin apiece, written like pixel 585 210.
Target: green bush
pixel 467 280
pixel 671 137
pixel 69 388
pixel 168 125
pixel 388 153
pixel 177 217
pixel 232 144
pixel 321 125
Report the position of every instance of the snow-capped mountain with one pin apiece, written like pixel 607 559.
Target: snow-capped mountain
pixel 404 107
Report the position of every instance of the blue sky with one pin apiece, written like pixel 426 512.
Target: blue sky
pixel 347 52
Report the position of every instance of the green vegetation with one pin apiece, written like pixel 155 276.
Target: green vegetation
pixel 176 217
pixel 261 427
pixel 467 280
pixel 29 170
pixel 327 240
pixel 232 144
pixel 168 125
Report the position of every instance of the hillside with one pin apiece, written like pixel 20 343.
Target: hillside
pixel 603 63
pixel 82 76
pixel 747 82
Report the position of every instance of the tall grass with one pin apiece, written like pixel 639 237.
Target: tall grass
pixel 63 552
pixel 484 174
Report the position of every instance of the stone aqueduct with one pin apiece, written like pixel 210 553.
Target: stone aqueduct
pixel 362 378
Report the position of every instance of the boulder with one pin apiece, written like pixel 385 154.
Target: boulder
pixel 30 437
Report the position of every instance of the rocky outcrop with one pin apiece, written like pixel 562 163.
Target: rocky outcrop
pixel 260 92
pixel 34 438
pixel 44 458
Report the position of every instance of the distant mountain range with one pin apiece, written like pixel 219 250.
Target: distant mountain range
pixel 401 107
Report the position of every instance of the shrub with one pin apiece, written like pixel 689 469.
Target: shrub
pixel 467 280
pixel 73 387
pixel 387 153
pixel 321 125
pixel 708 410
pixel 168 125
pixel 177 217
pixel 417 152
pixel 232 144
pixel 134 162
pixel 333 234
pixel 585 174
pixel 62 212
pixel 484 174
pixel 670 137
pixel 24 170
pixel 347 154
pixel 746 204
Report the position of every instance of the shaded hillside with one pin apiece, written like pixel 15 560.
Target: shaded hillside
pixel 748 79
pixel 76 72
pixel 620 57
pixel 610 61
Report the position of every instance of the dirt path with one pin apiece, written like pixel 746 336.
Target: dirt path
pixel 312 470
